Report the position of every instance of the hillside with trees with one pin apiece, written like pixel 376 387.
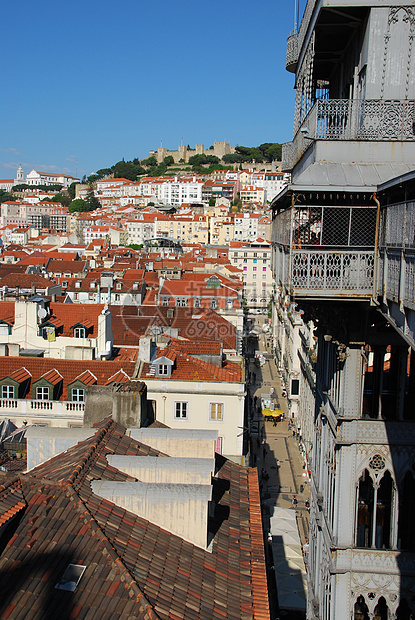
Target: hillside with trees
pixel 200 164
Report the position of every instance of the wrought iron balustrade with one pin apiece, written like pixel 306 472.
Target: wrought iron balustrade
pixel 332 273
pixel 325 251
pixel 397 254
pixel 352 119
pixel 292 51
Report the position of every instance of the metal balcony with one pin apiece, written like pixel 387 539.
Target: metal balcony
pixel 292 52
pixel 352 119
pixel 325 251
pixel 396 282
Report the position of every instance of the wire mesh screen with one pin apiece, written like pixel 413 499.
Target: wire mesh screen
pixel 334 226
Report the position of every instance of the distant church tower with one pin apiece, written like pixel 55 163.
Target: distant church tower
pixel 19 176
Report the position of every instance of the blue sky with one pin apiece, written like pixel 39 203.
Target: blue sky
pixel 85 84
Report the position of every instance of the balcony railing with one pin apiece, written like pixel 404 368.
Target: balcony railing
pixel 326 273
pixel 325 251
pixel 348 119
pixel 292 51
pixel 30 407
pixel 397 255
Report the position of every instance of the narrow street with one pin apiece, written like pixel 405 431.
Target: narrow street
pixel 277 456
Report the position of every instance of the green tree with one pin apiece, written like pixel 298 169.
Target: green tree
pixel 72 190
pixel 5 196
pixel 232 158
pixel 64 200
pixel 150 161
pixel 92 200
pixel 197 160
pixel 169 160
pixel 212 202
pixel 212 159
pixel 104 172
pixel 78 205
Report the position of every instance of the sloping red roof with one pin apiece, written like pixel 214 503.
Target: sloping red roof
pixel 189 368
pixel 52 376
pixel 70 370
pixel 129 323
pixel 134 569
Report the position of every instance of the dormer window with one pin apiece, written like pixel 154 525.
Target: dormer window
pixel 42 393
pixel 64 284
pixel 78 395
pixel 213 304
pixel 7 391
pixel 82 329
pixel 93 284
pixel 119 286
pixel 163 366
pixel 77 285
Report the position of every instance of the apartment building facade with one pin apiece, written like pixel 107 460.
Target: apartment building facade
pixel 342 254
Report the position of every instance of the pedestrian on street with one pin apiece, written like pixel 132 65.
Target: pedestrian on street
pixel 295 501
pixel 264 452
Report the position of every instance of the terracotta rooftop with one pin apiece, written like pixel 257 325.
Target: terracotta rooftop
pixel 189 368
pixel 36 367
pixel 133 568
pixel 129 323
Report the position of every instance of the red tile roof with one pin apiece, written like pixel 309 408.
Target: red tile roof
pixel 189 368
pixel 70 370
pixel 134 569
pixel 129 323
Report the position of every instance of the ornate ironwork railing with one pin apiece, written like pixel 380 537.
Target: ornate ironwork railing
pixel 332 273
pixel 348 119
pixel 292 51
pixel 397 254
pixel 308 11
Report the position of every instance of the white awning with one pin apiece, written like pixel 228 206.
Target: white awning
pixel 290 573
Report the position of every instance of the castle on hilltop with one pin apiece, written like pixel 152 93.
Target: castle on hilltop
pixel 219 149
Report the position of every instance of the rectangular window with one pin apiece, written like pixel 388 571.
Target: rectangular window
pixel 78 395
pixel 295 387
pixel 181 302
pixel 180 410
pixel 165 301
pixel 163 369
pixel 264 268
pixel 42 393
pixel 7 391
pixel 216 411
pixel 197 302
pixel 79 332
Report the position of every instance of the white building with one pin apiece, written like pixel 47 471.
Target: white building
pixel 34 177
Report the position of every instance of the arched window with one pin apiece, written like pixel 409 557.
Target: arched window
pixel 374 510
pixel 361 611
pixel 365 511
pixel 381 610
pixel 406 530
pixel 383 512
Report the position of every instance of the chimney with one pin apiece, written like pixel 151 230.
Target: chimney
pixel 145 349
